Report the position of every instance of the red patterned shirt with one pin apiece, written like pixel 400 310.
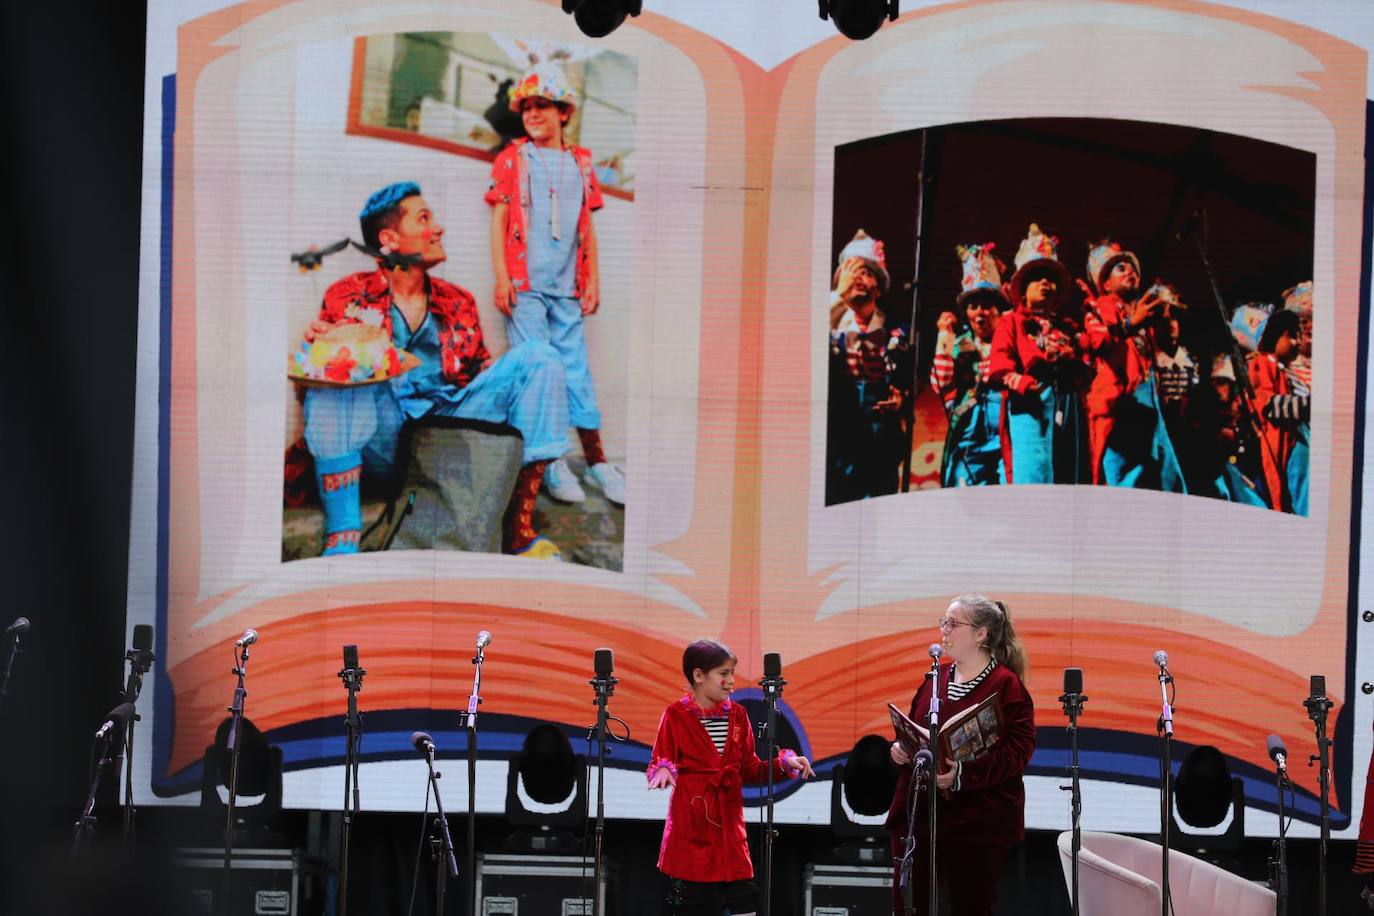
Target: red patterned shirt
pixel 365 298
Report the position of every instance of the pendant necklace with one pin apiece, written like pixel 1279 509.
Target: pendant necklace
pixel 553 189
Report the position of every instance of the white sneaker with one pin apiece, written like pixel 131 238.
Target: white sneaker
pixel 609 479
pixel 561 483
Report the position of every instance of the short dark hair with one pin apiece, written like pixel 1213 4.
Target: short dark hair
pixel 1281 322
pixel 383 210
pixel 706 654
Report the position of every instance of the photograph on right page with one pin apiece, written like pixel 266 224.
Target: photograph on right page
pixel 1072 301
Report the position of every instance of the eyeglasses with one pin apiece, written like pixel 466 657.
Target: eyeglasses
pixel 948 623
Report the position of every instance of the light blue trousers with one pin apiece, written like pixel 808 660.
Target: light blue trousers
pixel 557 320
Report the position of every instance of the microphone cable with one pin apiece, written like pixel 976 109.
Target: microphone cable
pixel 420 848
pixel 586 790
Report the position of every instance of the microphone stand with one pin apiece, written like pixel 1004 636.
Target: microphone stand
pixel 932 789
pixel 232 746
pixel 13 653
pixel 1165 726
pixel 918 777
pixel 141 660
pixel 1073 707
pixel 1278 866
pixel 109 758
pixel 445 856
pixel 604 685
pixel 772 689
pixel 353 734
pixel 1317 707
pixel 468 720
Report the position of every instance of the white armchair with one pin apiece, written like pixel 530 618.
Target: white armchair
pixel 1120 876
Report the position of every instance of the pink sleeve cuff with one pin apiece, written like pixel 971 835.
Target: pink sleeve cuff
pixel 785 755
pixel 661 763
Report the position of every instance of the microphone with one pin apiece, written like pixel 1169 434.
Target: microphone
pixel 1073 681
pixel 772 666
pixel 923 758
pixel 20 626
pixel 249 637
pixel 117 716
pixel 603 662
pixel 350 657
pixel 935 651
pixel 483 639
pixel 1279 754
pixel 423 742
pixel 1162 659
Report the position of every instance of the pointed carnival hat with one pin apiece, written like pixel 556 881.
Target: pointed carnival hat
pixel 543 81
pixel 1299 298
pixel 982 273
pixel 1102 257
pixel 1038 256
pixel 1247 324
pixel 870 251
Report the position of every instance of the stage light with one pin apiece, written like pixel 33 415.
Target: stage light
pixel 858 19
pixel 860 791
pixel 599 18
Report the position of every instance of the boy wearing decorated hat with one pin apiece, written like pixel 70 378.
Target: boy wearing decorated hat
pixel 865 441
pixel 1035 359
pixel 354 429
pixel 973 447
pixel 1129 442
pixel 544 256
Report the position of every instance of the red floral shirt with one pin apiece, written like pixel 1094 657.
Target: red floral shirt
pixel 365 298
pixel 510 185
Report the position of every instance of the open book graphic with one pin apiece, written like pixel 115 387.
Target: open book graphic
pixel 967 734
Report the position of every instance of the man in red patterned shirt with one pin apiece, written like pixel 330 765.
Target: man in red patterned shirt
pixel 356 428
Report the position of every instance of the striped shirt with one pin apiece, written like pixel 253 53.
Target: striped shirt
pixel 954 692
pixel 718 728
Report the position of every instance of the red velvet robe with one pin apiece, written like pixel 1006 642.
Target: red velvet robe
pixel 704 838
pixel 991 802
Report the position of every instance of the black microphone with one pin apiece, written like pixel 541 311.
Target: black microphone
pixel 117 716
pixel 923 758
pixel 603 662
pixel 1073 681
pixel 350 657
pixel 483 639
pixel 423 742
pixel 249 637
pixel 19 627
pixel 772 666
pixel 935 651
pixel 1279 754
pixel 143 637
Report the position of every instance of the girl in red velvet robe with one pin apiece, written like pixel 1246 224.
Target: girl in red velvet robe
pixel 705 851
pixel 981 813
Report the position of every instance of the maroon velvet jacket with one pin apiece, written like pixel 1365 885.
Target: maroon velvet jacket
pixel 991 801
pixel 704 838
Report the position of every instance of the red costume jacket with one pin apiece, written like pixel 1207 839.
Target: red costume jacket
pixel 704 838
pixel 1268 379
pixel 991 802
pixel 365 298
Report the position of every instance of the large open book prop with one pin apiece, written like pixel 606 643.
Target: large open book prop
pixel 967 735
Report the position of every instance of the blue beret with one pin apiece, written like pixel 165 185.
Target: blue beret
pixel 388 197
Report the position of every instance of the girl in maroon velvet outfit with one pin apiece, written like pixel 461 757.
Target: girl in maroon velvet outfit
pixel 981 813
pixel 705 752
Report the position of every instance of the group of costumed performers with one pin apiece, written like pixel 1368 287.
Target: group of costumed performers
pixel 870 380
pixel 544 257
pixel 1040 388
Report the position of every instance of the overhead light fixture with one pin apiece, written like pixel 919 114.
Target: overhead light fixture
pixel 599 18
pixel 858 19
